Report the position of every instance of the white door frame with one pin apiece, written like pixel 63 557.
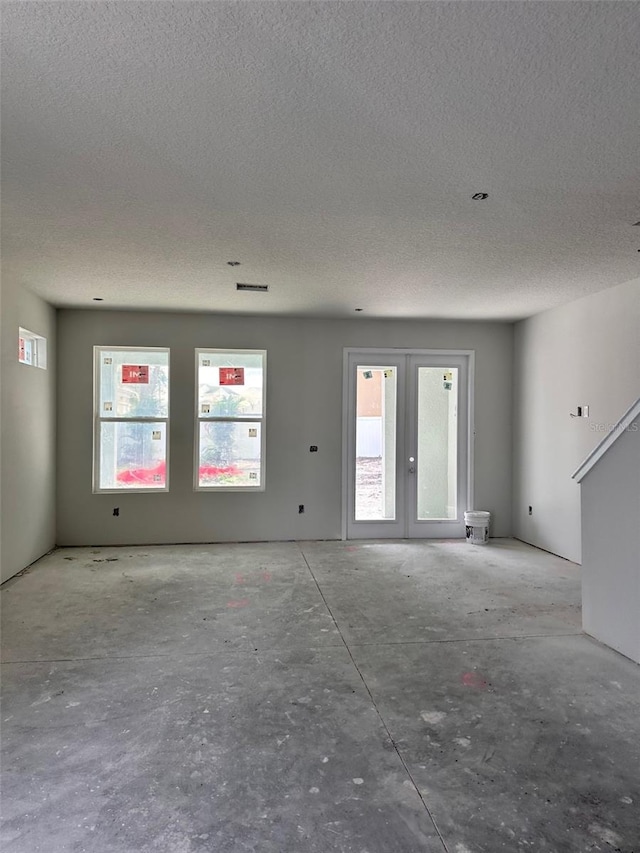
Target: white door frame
pixel 405 351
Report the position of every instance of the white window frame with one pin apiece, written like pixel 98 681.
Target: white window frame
pixel 98 420
pixel 199 418
pixel 38 348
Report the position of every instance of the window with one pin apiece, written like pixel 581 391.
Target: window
pixel 131 419
pixel 230 432
pixel 32 349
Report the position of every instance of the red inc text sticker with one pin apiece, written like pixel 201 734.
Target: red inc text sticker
pixel 232 375
pixel 135 374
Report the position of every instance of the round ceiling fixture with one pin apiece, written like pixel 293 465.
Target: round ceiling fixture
pixel 480 196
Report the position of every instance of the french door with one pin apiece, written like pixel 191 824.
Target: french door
pixel 407 449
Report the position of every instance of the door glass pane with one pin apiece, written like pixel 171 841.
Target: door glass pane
pixel 376 394
pixel 133 455
pixel 437 468
pixel 229 453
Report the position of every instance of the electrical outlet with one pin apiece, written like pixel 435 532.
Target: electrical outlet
pixel 300 509
pixel 116 510
pixel 530 510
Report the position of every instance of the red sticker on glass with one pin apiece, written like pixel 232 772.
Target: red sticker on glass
pixel 135 373
pixel 232 375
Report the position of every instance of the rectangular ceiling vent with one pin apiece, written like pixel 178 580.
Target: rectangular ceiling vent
pixel 261 288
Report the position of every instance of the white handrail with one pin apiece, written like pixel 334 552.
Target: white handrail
pixel 625 422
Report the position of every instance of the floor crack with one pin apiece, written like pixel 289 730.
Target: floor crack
pixel 375 705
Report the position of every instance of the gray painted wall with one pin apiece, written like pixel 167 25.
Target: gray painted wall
pixel 27 443
pixel 304 406
pixel 586 352
pixel 611 546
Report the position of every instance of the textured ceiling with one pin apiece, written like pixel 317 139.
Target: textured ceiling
pixel 332 148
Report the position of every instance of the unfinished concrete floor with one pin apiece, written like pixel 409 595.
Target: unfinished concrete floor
pixel 313 697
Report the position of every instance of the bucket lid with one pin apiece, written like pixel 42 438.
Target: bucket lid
pixel 477 515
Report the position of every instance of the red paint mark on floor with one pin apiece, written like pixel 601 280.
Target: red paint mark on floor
pixel 472 679
pixel 241 602
pixel 266 576
pixel 351 548
pixel 240 579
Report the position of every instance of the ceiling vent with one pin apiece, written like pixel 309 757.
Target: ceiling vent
pixel 261 288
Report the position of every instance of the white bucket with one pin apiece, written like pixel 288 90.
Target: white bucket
pixel 477 524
